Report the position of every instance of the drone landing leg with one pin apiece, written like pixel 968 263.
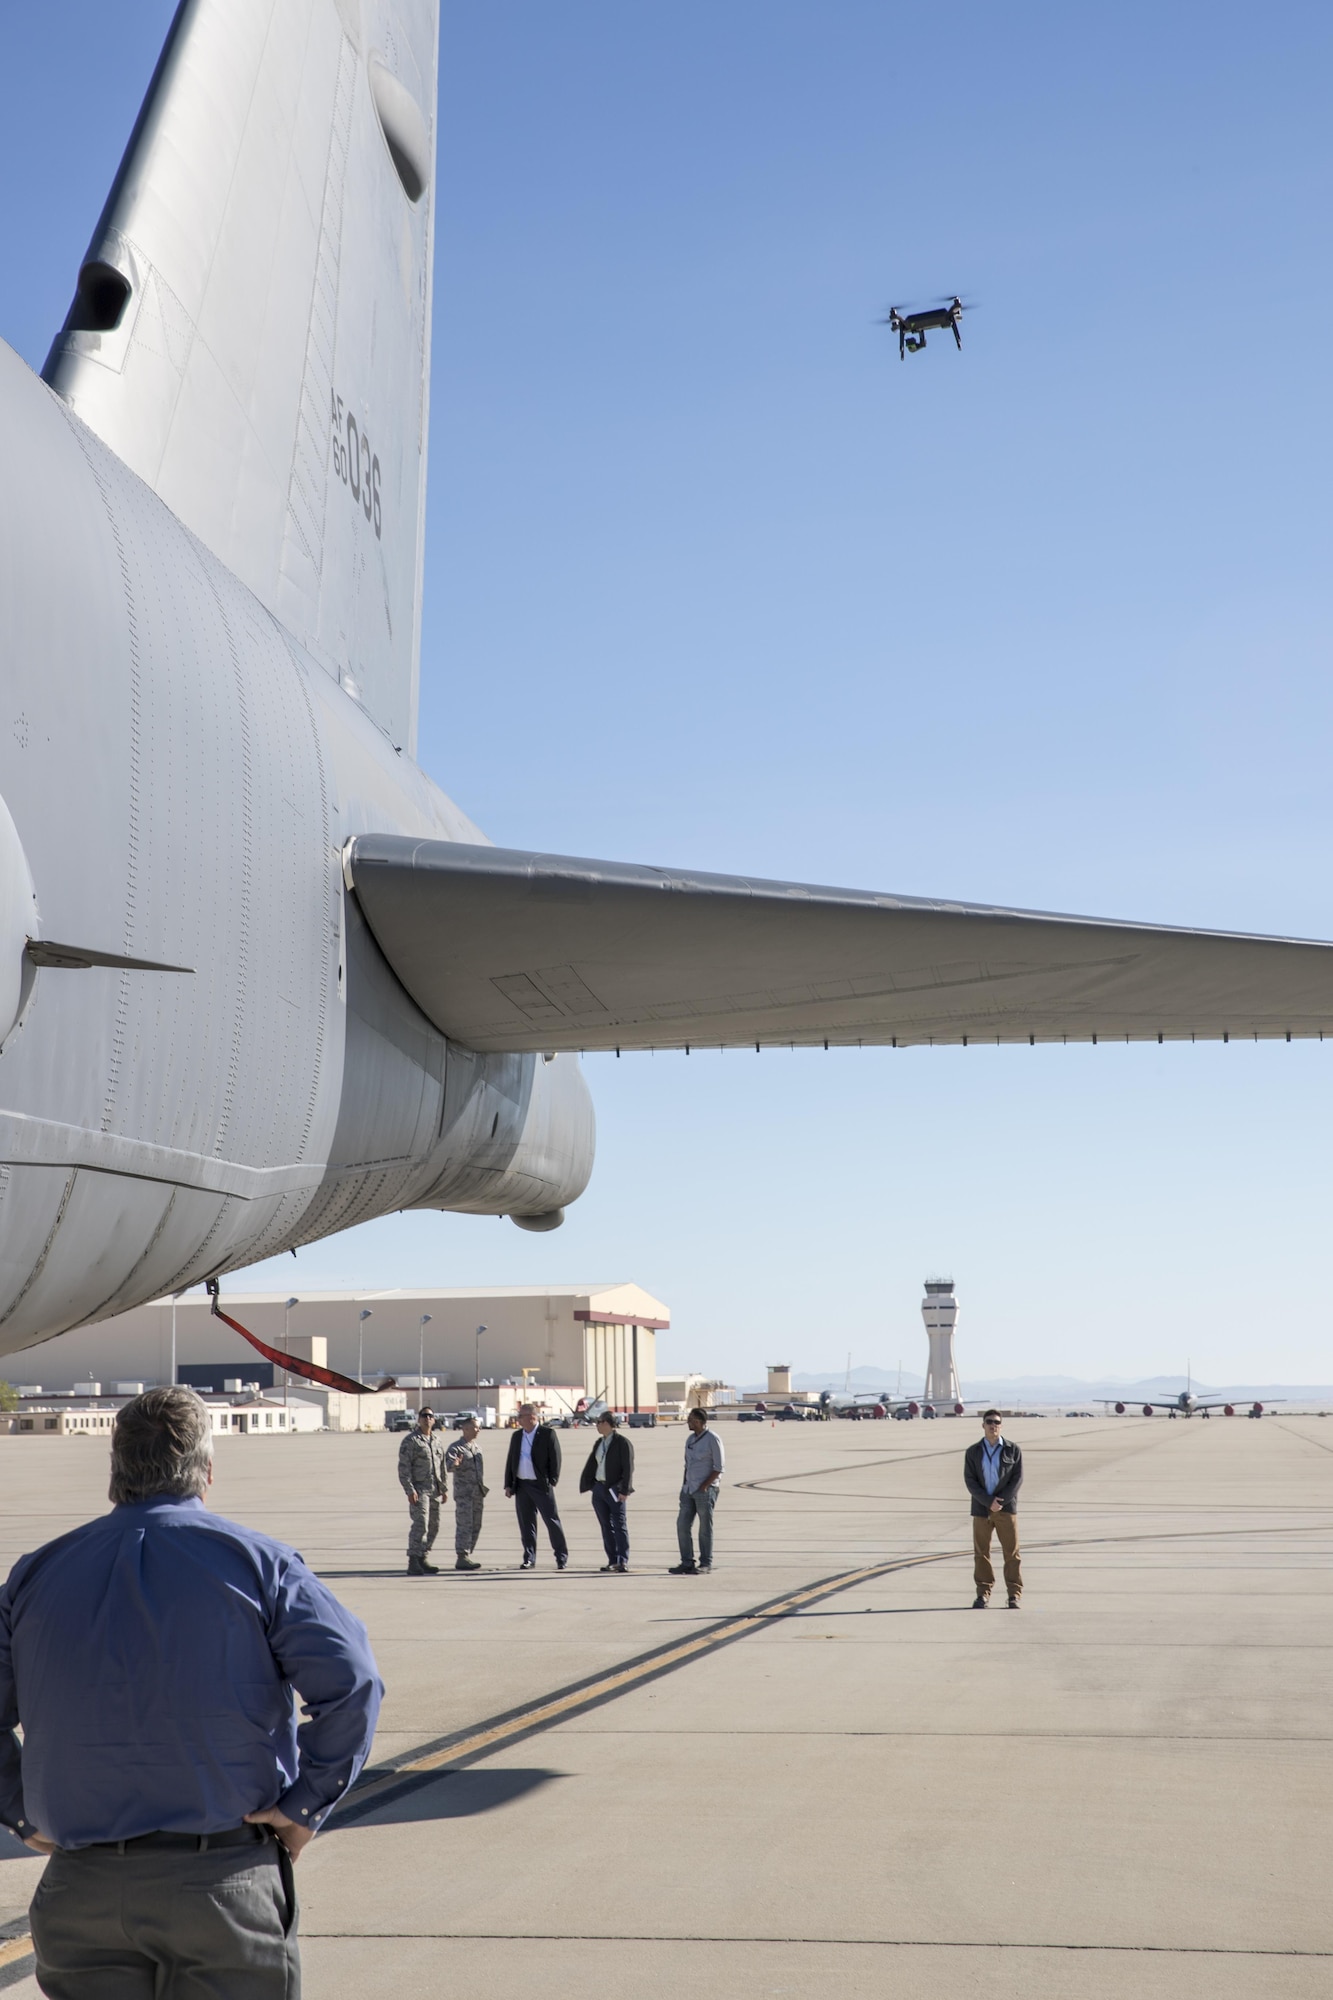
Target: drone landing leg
pixel 957 335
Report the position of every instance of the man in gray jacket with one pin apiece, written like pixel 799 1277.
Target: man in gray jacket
pixel 421 1476
pixel 704 1460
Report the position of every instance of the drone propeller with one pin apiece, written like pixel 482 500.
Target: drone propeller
pixel 964 305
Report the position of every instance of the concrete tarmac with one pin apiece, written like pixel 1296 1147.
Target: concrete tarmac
pixel 825 1773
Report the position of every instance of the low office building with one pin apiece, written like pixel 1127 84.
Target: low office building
pixel 232 1416
pixel 556 1342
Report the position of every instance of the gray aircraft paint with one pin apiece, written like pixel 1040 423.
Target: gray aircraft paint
pixel 210 655
pixel 210 590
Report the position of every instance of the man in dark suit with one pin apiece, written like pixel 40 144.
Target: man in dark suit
pixel 531 1471
pixel 609 1477
pixel 993 1473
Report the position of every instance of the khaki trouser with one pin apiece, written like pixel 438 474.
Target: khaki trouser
pixel 1006 1527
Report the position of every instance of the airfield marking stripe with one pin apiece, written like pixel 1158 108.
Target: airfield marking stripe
pixel 16 1948
pixel 601 1688
pixel 605 1687
pixel 598 1689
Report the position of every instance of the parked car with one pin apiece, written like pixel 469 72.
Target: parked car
pixel 750 1416
pixel 398 1420
pixel 642 1420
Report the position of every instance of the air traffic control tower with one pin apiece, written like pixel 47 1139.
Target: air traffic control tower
pixel 939 1309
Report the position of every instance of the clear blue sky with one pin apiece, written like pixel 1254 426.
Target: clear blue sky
pixel 713 579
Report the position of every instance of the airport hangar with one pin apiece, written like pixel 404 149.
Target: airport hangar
pixel 573 1341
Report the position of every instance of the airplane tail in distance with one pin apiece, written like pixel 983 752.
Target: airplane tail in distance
pixel 251 327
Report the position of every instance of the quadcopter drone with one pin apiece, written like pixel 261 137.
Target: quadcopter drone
pixel 911 327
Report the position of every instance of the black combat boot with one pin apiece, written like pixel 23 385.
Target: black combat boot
pixel 416 1567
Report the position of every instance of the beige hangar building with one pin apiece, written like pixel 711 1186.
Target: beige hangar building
pixel 571 1340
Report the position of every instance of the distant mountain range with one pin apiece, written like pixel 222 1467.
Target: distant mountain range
pixel 1065 1388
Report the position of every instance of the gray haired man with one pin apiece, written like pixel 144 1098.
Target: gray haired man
pixel 150 1659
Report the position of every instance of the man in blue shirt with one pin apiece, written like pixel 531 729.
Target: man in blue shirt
pixel 151 1659
pixel 993 1473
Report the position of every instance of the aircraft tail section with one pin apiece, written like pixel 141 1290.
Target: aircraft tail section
pixel 251 327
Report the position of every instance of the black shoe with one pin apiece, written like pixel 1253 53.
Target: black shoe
pixel 979 1602
pixel 682 1569
pixel 466 1562
pixel 415 1567
pixel 620 1569
pixel 608 1569
pixel 528 1562
pixel 562 1562
pixel 1013 1604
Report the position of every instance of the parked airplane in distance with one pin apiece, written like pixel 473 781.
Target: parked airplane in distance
pixel 1187 1404
pixel 260 979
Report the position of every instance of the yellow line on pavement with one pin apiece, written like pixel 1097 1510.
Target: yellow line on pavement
pixel 544 1713
pixel 15 1948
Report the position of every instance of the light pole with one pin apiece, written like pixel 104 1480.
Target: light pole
pixel 286 1343
pixel 476 1369
pixel 421 1359
pixel 364 1314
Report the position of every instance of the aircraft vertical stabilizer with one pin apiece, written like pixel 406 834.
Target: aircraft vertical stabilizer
pixel 251 328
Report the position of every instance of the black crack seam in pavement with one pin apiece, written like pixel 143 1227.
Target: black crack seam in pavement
pixel 820 1943
pixel 914 1458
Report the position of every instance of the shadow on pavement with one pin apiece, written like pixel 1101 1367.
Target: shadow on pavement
pixel 444 1795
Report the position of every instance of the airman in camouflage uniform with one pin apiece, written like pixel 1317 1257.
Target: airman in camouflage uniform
pixel 421 1476
pixel 463 1460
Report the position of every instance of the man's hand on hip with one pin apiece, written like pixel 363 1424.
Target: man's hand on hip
pixel 39 1843
pixel 294 1837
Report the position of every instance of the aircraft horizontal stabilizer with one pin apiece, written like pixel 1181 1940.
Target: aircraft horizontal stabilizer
pixel 505 950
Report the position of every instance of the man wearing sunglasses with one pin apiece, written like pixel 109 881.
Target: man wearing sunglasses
pixel 993 1473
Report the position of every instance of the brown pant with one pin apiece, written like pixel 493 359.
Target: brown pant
pixel 1006 1527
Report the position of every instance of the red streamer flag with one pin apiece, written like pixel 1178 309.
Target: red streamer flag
pixel 328 1378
